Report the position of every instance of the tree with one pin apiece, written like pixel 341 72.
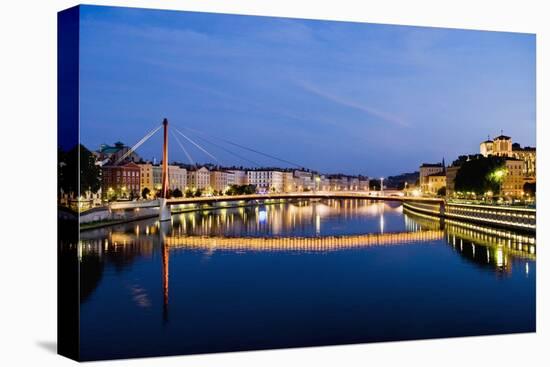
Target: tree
pixel 188 193
pixel 232 190
pixel 481 175
pixel 249 189
pixel 198 193
pixel 89 171
pixel 374 184
pixel 442 191
pixel 61 171
pixel 145 192
pixel 530 188
pixel 69 174
pixel 241 190
pixel 177 193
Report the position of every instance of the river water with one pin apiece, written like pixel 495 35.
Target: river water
pixel 209 281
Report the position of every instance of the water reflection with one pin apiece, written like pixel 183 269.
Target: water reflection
pixel 118 246
pixel 485 246
pixel 300 217
pixel 217 272
pixel 216 230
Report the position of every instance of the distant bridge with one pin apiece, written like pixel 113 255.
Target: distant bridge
pixel 304 195
pixel 121 205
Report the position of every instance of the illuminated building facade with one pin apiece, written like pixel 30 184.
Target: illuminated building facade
pixel 219 180
pixel 237 177
pixel 177 177
pixel 502 146
pixel 512 184
pixel 146 177
pixel 426 170
pixel 288 182
pixel 198 178
pixel 450 176
pixel 266 180
pixel 435 182
pixel 122 181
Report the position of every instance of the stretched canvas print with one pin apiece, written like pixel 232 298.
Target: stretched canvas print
pixel 233 182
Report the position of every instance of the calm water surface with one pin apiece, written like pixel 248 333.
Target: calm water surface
pixel 147 289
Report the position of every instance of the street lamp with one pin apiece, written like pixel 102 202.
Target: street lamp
pixel 317 180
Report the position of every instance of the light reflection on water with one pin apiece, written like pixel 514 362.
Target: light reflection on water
pixel 293 218
pixel 169 269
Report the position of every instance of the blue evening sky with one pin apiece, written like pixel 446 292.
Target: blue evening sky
pixel 344 97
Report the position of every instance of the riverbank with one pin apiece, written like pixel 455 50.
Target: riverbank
pixel 518 219
pixel 111 217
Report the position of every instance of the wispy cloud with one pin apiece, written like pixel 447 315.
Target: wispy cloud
pixel 343 101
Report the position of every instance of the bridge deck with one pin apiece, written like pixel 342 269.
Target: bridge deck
pixel 301 195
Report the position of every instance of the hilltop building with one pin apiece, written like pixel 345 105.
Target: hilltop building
pixel 502 146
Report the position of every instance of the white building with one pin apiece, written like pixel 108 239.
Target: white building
pixel 219 180
pixel 364 184
pixel 324 183
pixel 177 178
pixel 288 182
pixel 353 183
pixel 266 180
pixel 198 178
pixel 237 177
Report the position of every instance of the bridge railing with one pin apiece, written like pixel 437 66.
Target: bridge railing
pixel 509 217
pixel 514 217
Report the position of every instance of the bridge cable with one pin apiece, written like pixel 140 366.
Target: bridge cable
pixel 250 149
pixel 138 144
pixel 198 146
pixel 183 148
pixel 229 151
